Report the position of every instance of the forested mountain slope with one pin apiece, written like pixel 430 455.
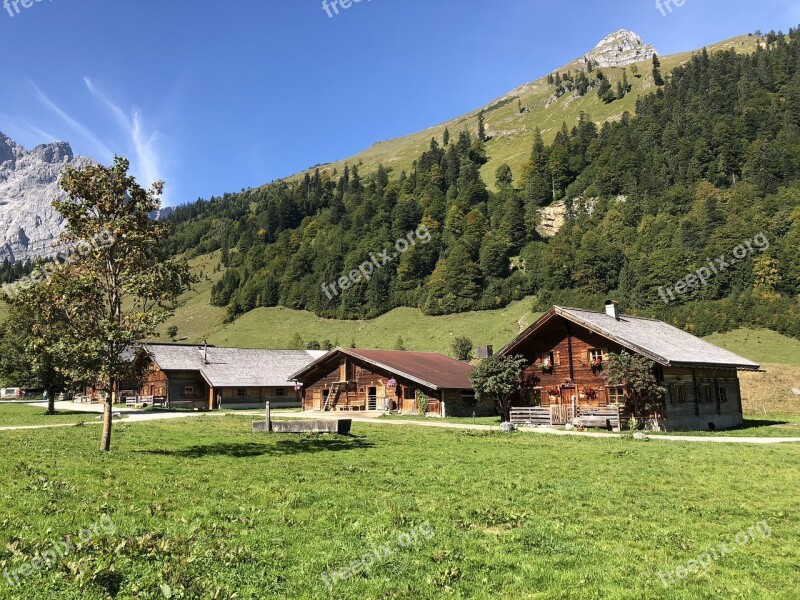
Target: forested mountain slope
pixel 708 163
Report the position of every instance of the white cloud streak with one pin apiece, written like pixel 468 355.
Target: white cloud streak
pixel 146 163
pixel 99 149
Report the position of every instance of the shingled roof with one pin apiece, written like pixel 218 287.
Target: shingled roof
pixel 233 367
pixel 658 341
pixel 430 369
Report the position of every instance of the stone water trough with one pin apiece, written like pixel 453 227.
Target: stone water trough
pixel 338 426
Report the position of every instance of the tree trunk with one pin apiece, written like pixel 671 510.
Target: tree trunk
pixel 505 408
pixel 108 408
pixel 105 441
pixel 51 403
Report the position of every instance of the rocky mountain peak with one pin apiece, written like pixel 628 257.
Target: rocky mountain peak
pixel 619 49
pixel 9 149
pixel 55 153
pixel 29 182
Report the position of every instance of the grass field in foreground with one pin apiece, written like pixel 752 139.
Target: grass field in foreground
pixel 203 508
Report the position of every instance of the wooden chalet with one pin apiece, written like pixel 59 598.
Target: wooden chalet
pixel 207 377
pixel 567 349
pixel 388 380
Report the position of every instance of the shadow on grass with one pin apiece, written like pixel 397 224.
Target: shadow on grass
pixel 281 447
pixel 755 424
pixel 69 413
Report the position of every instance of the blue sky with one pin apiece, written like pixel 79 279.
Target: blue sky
pixel 217 96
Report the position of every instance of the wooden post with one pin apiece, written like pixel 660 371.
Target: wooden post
pixel 269 417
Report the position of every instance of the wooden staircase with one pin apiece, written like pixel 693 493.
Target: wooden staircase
pixel 333 396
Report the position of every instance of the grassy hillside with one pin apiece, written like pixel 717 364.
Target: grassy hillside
pixel 196 320
pixel 276 327
pixel 511 132
pixel 760 345
pixel 769 391
pixel 195 317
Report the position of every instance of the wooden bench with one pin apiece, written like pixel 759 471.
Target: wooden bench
pixel 355 405
pixel 607 417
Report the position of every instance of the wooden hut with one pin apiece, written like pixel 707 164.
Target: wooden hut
pixel 389 380
pixel 567 349
pixel 207 377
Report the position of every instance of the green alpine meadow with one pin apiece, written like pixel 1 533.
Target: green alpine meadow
pixel 400 300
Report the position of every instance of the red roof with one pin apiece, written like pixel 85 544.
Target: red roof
pixel 436 371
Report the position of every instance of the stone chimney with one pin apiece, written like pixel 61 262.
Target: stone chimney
pixel 485 352
pixel 612 309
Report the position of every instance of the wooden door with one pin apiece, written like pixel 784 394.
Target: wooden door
pixel 372 398
pixel 567 395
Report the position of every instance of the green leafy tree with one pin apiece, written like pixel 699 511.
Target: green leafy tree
pixel 636 375
pixel 503 176
pixel 113 294
pixel 499 378
pixel 604 90
pixel 462 348
pixel 494 260
pixel 26 361
pixel 172 332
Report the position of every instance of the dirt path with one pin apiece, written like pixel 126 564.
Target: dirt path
pixel 131 416
pixel 134 416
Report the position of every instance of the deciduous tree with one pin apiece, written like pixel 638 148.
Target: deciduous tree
pixel 499 378
pixel 116 289
pixel 636 374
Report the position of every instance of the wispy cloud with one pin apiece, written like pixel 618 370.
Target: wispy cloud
pixel 99 150
pixel 146 163
pixel 40 132
pixel 23 132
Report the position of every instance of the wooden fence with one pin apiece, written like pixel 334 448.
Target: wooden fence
pixel 610 417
